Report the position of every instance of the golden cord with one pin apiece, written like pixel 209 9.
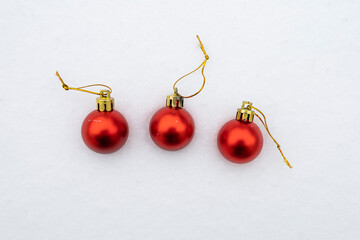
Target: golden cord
pixel 202 71
pixel 267 129
pixel 66 87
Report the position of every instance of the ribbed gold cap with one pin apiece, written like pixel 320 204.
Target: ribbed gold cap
pixel 175 100
pixel 245 113
pixel 105 103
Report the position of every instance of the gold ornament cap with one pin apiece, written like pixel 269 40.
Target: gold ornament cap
pixel 175 100
pixel 245 113
pixel 105 103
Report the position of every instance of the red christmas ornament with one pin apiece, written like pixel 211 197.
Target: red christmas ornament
pixel 104 130
pixel 172 128
pixel 240 140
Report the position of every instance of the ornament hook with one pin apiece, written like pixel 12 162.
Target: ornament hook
pixel 175 100
pixel 105 103
pixel 245 113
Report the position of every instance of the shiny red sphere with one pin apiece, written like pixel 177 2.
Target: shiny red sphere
pixel 240 142
pixel 104 132
pixel 172 128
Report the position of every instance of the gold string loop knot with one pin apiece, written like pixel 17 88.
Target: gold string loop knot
pixel 202 66
pixel 66 87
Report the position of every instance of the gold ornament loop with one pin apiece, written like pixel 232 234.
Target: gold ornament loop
pixel 202 72
pixel 66 87
pixel 263 121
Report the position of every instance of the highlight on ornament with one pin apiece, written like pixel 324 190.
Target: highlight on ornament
pixel 104 130
pixel 240 140
pixel 172 127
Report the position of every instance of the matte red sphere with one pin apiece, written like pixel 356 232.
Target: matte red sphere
pixel 172 128
pixel 104 132
pixel 240 142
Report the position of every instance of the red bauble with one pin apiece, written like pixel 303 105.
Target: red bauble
pixel 104 132
pixel 172 128
pixel 239 141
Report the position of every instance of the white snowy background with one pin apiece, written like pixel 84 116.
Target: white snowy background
pixel 298 61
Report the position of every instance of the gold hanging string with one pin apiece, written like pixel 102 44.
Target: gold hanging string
pixel 66 87
pixel 267 129
pixel 202 71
